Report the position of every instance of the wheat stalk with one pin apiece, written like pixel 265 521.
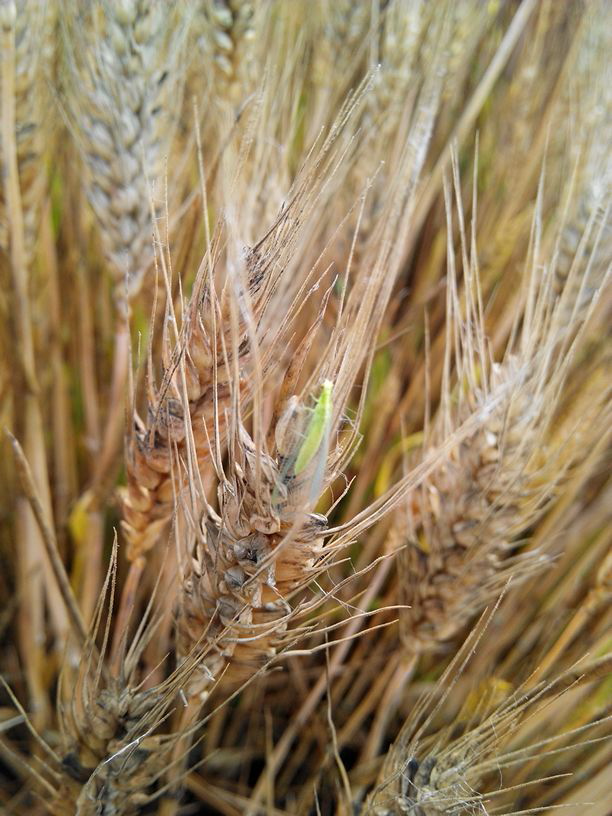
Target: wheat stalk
pixel 34 567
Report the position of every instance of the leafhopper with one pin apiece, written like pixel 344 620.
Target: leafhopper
pixel 317 430
pixel 302 439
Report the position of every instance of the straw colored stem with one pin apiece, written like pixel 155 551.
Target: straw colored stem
pixel 49 540
pixel 113 430
pixel 122 620
pixel 598 599
pixel 64 466
pixel 32 554
pixel 104 465
pixel 387 707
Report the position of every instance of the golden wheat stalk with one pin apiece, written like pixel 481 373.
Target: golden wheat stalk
pixel 20 29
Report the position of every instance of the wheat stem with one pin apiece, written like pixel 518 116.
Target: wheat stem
pixel 48 537
pixel 34 557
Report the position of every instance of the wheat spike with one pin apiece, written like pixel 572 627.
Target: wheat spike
pixel 256 553
pixel 124 89
pixel 230 318
pixel 586 240
pixel 465 527
pixel 225 32
pixel 413 63
pixel 34 22
pixel 470 765
pixel 266 501
pixel 111 754
pixel 344 29
pixel 204 355
pixel 442 773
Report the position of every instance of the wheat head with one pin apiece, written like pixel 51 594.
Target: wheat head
pixel 124 82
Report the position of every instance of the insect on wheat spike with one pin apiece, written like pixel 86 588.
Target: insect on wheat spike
pixel 318 428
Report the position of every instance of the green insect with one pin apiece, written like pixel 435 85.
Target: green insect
pixel 317 430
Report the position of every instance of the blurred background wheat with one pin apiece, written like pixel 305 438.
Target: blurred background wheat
pixel 305 401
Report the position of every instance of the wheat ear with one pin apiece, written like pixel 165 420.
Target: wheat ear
pixel 227 320
pixel 225 32
pixel 464 532
pixel 265 544
pixel 124 80
pixel 185 425
pixel 262 547
pixel 33 60
pixel 590 187
pixel 468 767
pixel 115 743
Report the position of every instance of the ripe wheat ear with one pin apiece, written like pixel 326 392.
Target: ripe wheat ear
pixel 471 765
pixel 124 77
pixel 466 525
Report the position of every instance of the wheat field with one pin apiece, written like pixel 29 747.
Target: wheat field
pixel 305 407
